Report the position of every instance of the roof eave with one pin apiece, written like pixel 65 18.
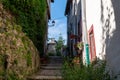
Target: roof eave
pixel 67 9
pixel 52 0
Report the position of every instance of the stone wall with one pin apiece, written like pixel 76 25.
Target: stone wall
pixel 18 55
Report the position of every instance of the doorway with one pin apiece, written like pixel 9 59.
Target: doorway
pixel 92 44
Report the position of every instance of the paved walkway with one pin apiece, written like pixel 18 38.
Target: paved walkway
pixel 50 71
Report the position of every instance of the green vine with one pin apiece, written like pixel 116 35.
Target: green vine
pixel 30 15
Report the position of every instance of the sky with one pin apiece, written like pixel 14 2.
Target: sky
pixel 57 14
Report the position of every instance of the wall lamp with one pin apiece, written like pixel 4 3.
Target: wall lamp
pixel 52 24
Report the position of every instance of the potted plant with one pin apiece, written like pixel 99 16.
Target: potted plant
pixel 76 60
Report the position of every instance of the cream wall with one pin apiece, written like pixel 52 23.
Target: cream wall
pixel 97 15
pixel 105 17
pixel 93 14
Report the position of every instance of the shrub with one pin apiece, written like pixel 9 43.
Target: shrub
pixel 51 54
pixel 58 54
pixel 90 72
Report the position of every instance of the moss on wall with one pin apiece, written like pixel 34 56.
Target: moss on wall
pixel 30 15
pixel 19 32
pixel 21 27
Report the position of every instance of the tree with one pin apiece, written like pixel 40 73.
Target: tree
pixel 60 44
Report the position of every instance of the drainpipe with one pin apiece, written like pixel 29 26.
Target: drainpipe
pixel 84 29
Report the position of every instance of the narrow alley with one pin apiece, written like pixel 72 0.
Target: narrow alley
pixel 59 39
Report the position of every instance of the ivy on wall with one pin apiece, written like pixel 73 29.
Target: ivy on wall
pixel 30 14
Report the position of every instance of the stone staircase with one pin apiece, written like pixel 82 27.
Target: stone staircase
pixel 50 71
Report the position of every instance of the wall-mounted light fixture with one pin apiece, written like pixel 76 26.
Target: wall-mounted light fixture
pixel 52 23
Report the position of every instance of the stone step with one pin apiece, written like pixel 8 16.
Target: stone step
pixel 49 72
pixel 60 64
pixel 39 77
pixel 58 60
pixel 46 75
pixel 51 67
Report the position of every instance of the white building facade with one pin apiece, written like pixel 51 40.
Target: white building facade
pixel 103 26
pixel 103 30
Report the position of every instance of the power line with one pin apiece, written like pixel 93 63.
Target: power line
pixel 58 18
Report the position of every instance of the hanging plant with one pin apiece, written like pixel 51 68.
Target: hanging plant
pixel 80 45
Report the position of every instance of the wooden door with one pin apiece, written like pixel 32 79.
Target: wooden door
pixel 92 45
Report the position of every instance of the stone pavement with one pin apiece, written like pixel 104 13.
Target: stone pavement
pixel 50 71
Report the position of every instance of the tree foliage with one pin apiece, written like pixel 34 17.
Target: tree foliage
pixel 60 43
pixel 30 14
